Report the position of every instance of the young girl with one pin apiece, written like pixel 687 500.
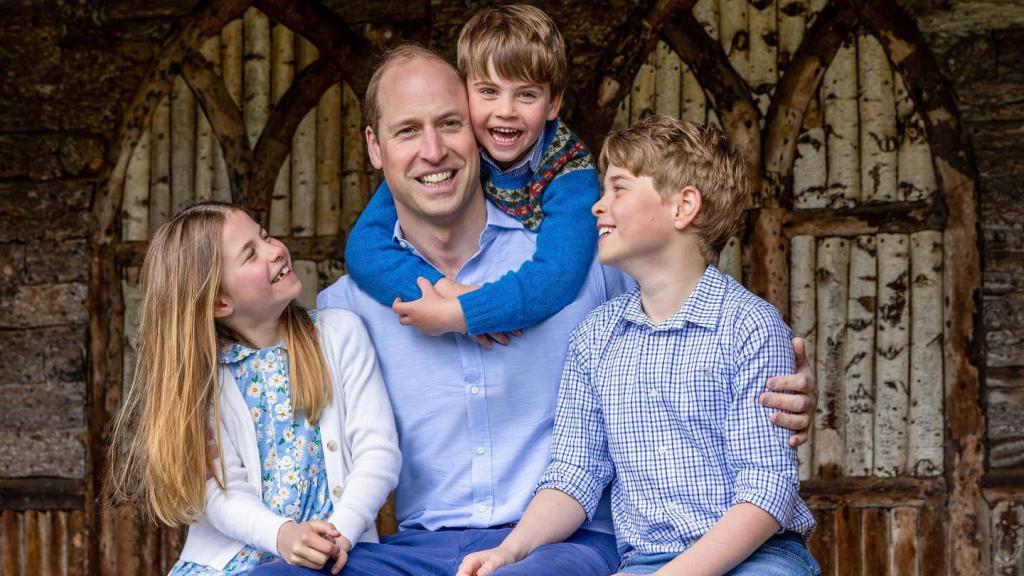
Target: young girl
pixel 264 427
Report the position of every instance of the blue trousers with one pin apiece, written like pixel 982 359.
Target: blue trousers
pixel 782 555
pixel 426 553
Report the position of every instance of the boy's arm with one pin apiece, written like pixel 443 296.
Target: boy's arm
pixel 767 483
pixel 551 280
pixel 552 516
pixel 379 266
pixel 571 486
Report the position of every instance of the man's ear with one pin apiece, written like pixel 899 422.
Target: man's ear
pixel 686 204
pixel 373 148
pixel 222 307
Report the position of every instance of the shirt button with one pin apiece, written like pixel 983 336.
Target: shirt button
pixel 337 491
pixel 654 392
pixel 480 451
pixel 663 450
pixel 481 508
pixel 475 390
pixel 332 445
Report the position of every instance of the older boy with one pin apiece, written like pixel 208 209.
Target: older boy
pixel 659 393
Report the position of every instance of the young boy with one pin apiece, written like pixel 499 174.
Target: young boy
pixel 512 59
pixel 659 390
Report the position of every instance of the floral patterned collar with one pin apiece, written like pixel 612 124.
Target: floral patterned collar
pixel 235 352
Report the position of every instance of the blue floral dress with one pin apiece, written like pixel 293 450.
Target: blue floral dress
pixel 291 455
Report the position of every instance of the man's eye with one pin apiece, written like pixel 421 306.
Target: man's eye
pixel 407 131
pixel 451 124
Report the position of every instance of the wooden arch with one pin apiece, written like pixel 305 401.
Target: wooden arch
pixel 769 152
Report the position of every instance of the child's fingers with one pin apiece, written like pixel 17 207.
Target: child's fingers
pixel 340 562
pixel 469 565
pixel 500 338
pixel 324 528
pixel 484 341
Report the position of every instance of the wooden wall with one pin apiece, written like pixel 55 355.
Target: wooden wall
pixel 861 230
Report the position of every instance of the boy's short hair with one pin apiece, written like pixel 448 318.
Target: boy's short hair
pixel 677 153
pixel 521 41
pixel 399 53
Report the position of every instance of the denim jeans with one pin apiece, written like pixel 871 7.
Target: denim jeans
pixel 782 555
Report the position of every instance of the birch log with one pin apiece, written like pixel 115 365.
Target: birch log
pixel 354 191
pixel 707 12
pixel 230 69
pixel 135 216
pixel 256 77
pixel 832 270
pixel 810 167
pixel 160 166
pixel 621 121
pixel 804 318
pixel 858 357
pixel 878 140
pixel 303 166
pixel 282 73
pixel 904 546
pixel 695 103
pixel 763 52
pixel 307 273
pixel 892 357
pixel 814 7
pixel 925 436
pixel 667 77
pixel 328 163
pixel 131 294
pixel 183 145
pixel 839 100
pixel 916 173
pixel 792 22
pixel 730 260
pixel 206 141
pixel 734 34
pixel 642 101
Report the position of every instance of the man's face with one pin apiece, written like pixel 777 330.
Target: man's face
pixel 424 142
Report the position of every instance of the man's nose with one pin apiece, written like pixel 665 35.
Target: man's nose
pixel 433 148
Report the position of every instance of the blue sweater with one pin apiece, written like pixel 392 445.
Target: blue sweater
pixel 541 287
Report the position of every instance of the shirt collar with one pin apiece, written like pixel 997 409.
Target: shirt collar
pixel 235 352
pixel 496 219
pixel 529 162
pixel 702 307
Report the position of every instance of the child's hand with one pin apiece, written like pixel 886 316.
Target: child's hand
pixel 433 313
pixel 486 561
pixel 343 548
pixel 449 289
pixel 309 544
pixel 486 341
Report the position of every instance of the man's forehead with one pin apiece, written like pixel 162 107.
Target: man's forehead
pixel 420 85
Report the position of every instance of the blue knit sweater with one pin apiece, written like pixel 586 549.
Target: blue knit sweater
pixel 566 243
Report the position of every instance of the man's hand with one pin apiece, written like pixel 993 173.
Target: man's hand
pixel 343 549
pixel 433 313
pixel 309 544
pixel 796 411
pixel 486 561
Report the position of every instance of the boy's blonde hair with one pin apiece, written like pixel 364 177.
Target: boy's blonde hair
pixel 677 153
pixel 521 41
pixel 163 445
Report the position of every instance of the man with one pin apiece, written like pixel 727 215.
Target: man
pixel 474 424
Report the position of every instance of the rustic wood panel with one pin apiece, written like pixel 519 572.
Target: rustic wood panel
pixel 849 544
pixel 875 526
pixel 822 542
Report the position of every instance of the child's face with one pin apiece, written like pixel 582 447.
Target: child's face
pixel 634 222
pixel 257 281
pixel 508 116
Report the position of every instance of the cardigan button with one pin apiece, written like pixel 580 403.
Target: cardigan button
pixel 332 445
pixel 337 491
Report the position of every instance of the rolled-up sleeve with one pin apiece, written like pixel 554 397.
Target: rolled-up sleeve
pixel 764 464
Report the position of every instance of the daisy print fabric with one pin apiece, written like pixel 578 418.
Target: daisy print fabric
pixel 291 454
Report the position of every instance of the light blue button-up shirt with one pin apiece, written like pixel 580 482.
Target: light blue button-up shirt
pixel 474 425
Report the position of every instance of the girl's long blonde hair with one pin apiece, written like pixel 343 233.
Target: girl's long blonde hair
pixel 163 443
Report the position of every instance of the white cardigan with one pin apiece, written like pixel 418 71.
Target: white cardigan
pixel 360 452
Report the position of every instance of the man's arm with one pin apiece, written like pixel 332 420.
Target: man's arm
pixel 794 396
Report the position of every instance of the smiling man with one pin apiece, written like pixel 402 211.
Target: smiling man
pixel 474 425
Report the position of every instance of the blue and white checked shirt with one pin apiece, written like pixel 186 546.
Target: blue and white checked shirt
pixel 670 415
